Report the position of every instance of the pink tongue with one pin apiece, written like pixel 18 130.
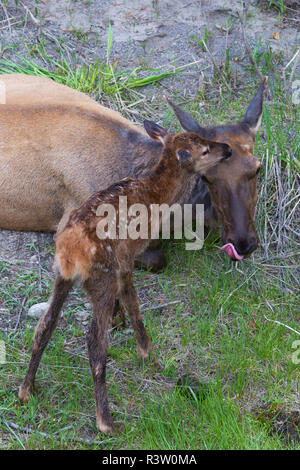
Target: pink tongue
pixel 231 252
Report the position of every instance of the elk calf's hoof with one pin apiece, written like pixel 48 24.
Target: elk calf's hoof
pixel 24 394
pixel 105 428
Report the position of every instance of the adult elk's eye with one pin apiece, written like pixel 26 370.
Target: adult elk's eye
pixel 206 151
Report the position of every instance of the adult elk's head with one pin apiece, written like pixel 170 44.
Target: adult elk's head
pixel 232 183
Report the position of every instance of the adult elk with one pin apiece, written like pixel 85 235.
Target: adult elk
pixel 58 146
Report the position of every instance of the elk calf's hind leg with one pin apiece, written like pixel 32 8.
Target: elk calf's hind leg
pixel 43 332
pixel 130 301
pixel 101 289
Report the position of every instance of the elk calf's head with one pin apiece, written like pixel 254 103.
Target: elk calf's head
pixel 194 153
pixel 232 183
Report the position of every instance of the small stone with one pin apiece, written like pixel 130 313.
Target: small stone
pixel 4 311
pixel 37 310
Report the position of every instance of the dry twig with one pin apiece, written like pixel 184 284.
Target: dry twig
pixel 27 429
pixel 7 17
pixel 217 68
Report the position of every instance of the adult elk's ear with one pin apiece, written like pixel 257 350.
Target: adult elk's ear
pixel 187 122
pixel 155 131
pixel 255 108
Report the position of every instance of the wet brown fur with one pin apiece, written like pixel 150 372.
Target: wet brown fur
pixel 105 265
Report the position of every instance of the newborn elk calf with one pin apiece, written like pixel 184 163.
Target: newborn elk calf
pixel 105 265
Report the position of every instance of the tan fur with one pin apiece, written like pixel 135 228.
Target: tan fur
pixel 74 254
pixel 27 90
pixel 52 155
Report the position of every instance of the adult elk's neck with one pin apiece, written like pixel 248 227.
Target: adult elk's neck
pixel 143 153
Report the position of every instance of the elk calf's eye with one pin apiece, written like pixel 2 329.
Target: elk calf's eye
pixel 204 179
pixel 183 155
pixel 258 170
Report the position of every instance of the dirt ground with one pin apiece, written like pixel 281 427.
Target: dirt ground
pixel 154 33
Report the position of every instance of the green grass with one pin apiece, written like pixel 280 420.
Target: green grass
pixel 96 79
pixel 277 4
pixel 220 334
pixel 204 42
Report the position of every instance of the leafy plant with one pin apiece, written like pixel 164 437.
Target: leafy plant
pixel 278 4
pixel 204 41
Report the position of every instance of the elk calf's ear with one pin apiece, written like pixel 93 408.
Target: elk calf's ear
pixel 155 131
pixel 255 108
pixel 224 151
pixel 227 151
pixel 182 155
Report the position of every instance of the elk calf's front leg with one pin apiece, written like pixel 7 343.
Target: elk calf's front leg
pixel 130 301
pixel 43 333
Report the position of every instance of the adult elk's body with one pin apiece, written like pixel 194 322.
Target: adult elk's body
pixel 58 146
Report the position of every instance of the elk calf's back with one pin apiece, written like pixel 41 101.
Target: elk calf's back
pixel 105 265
